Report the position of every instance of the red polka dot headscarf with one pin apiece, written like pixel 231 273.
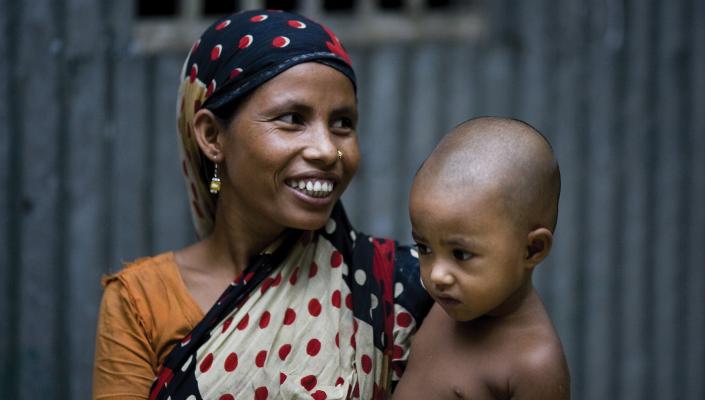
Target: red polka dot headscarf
pixel 233 57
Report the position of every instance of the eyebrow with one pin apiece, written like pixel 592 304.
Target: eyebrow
pixel 346 110
pixel 461 241
pixel 288 101
pixel 453 240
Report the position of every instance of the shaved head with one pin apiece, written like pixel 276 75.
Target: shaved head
pixel 504 156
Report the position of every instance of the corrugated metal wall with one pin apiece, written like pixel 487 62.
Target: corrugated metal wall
pixel 90 177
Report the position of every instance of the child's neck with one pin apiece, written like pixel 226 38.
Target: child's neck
pixel 523 302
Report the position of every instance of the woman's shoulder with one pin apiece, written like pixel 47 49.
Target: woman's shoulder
pixel 151 288
pixel 147 284
pixel 144 271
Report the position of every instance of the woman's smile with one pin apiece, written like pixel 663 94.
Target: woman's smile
pixel 313 187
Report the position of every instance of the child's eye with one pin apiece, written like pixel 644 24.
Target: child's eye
pixel 422 249
pixel 461 255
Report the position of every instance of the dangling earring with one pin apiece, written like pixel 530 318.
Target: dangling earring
pixel 215 181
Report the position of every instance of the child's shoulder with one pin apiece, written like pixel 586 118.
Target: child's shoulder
pixel 538 350
pixel 538 365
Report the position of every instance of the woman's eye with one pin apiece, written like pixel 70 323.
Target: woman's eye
pixel 291 118
pixel 461 255
pixel 422 249
pixel 344 124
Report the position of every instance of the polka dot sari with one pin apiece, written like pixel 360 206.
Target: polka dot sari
pixel 321 315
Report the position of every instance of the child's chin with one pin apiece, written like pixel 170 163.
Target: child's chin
pixel 463 318
pixel 457 313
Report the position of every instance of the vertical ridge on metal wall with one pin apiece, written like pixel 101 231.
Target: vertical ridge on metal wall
pixel 128 144
pixel 694 276
pixel 580 53
pixel 10 203
pixel 617 41
pixel 87 119
pixel 669 178
pixel 381 138
pixel 131 149
pixel 634 289
pixel 423 99
pixel 64 153
pixel 647 306
pixel 601 203
pixel 148 138
pixel 38 310
pixel 171 217
pixel 569 121
pixel 459 103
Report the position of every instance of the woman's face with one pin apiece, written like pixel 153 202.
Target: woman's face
pixel 280 152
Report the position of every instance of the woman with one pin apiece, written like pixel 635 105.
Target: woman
pixel 267 116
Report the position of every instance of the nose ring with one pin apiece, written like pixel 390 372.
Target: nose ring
pixel 340 155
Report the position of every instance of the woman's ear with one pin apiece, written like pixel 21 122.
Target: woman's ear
pixel 208 132
pixel 539 242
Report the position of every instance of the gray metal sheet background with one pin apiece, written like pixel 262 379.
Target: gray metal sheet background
pixel 90 175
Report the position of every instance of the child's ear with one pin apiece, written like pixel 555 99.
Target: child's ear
pixel 208 133
pixel 539 243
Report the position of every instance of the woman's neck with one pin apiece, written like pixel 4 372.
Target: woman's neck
pixel 235 239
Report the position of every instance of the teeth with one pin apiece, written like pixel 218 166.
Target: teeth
pixel 312 187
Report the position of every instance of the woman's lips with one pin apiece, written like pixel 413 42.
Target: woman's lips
pixel 316 193
pixel 313 187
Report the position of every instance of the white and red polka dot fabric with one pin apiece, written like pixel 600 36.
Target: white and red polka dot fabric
pixel 331 320
pixel 284 336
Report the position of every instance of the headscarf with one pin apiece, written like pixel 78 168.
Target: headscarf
pixel 233 57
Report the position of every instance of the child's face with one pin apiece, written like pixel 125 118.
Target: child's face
pixel 472 254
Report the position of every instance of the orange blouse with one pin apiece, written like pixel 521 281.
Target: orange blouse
pixel 145 310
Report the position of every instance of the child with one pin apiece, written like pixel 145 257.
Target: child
pixel 483 211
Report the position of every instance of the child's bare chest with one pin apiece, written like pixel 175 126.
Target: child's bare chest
pixel 471 371
pixel 448 365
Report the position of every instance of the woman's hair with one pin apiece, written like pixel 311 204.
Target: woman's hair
pixel 230 60
pixel 226 113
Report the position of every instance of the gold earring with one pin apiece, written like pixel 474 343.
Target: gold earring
pixel 340 155
pixel 215 181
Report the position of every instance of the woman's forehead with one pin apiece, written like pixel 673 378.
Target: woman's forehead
pixel 308 82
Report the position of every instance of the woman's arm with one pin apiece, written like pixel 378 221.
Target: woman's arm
pixel 123 355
